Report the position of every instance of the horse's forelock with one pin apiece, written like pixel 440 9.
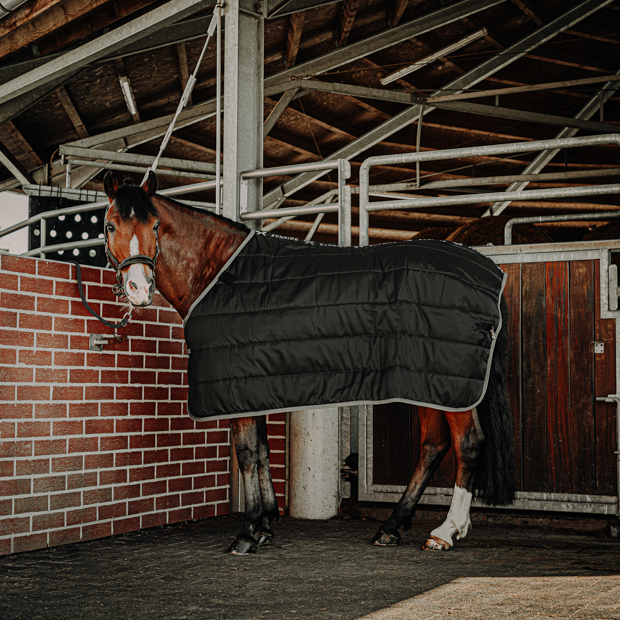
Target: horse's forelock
pixel 132 201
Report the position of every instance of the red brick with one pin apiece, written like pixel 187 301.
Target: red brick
pixel 67 289
pixel 17 525
pixel 83 444
pixel 19 264
pixel 98 392
pixel 89 274
pixel 156 425
pixel 114 409
pixel 156 393
pixel 34 503
pixel 35 322
pixel 111 444
pixel 35 358
pixel 128 393
pixel 129 425
pixel 114 376
pixel 217 495
pixel 179 363
pixel 130 361
pixel 178 516
pixel 65 500
pixel 83 410
pixel 52 305
pixel 156 487
pixel 33 392
pixel 11 449
pixel 169 378
pixel 68 392
pixel 157 361
pixel 155 519
pixel 141 505
pixel 101 360
pixel 50 446
pixel 53 269
pixel 108 276
pixel 141 473
pixel 144 409
pixel 168 316
pixel 16 301
pixel 181 454
pixel 77 308
pixel 6 507
pixel 50 521
pixel 68 358
pixel 192 439
pixel 7 469
pixel 50 375
pixel 217 437
pixel 32 467
pixel 78 343
pixel 82 480
pixel 30 542
pixel 130 491
pixel 170 409
pixel 203 512
pixel 169 471
pixel 146 315
pixel 8 318
pixel 52 341
pixel 193 468
pixel 143 377
pixel 65 536
pixel 156 456
pixel 16 338
pixel 143 346
pixel 195 497
pixel 157 331
pixel 178 394
pixel 126 459
pixel 68 427
pixel 219 465
pixel 49 484
pixel 206 452
pixel 168 440
pixel 137 442
pixel 67 463
pixel 99 426
pixel 117 476
pixel 223 480
pixel 33 429
pixel 9 281
pixel 97 496
pixel 168 347
pixel 112 511
pixel 122 526
pixel 7 430
pixel 42 286
pixel 166 502
pixel 64 324
pixel 100 530
pixel 180 484
pixel 17 486
pixel 177 333
pixel 101 293
pixel 99 461
pixel 82 515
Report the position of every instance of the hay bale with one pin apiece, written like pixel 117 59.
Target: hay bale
pixel 440 234
pixel 490 231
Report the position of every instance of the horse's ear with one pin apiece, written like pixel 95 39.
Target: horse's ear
pixel 110 185
pixel 150 185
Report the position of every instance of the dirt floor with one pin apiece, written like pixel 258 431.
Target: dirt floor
pixel 315 570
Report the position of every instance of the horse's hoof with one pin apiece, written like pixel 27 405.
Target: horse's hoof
pixel 382 539
pixel 265 539
pixel 436 544
pixel 242 547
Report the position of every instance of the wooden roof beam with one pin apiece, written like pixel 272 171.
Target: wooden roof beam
pixel 529 11
pixel 296 25
pixel 183 68
pixel 347 17
pixel 72 113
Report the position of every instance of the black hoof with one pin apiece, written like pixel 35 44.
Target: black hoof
pixel 265 539
pixel 381 539
pixel 242 547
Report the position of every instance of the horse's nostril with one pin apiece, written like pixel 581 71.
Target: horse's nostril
pixel 133 285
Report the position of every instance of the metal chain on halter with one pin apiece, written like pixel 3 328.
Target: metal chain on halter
pixel 191 82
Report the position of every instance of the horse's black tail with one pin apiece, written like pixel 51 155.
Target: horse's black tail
pixel 495 479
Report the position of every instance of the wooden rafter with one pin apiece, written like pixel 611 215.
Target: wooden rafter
pixel 72 113
pixel 528 10
pixel 296 25
pixel 396 11
pixel 183 68
pixel 15 142
pixel 347 17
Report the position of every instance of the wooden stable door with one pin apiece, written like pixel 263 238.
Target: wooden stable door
pixel 565 438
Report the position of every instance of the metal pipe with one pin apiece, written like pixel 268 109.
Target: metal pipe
pixel 294 211
pixel 287 170
pixel 344 204
pixel 129 168
pixel 218 117
pixel 48 249
pixel 615 398
pixel 510 224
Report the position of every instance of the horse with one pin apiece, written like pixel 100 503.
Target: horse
pixel 153 239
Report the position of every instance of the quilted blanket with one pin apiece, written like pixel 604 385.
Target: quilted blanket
pixel 290 325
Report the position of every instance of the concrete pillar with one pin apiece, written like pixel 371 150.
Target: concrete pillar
pixel 314 471
pixel 243 103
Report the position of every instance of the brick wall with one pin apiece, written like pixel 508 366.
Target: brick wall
pixel 96 444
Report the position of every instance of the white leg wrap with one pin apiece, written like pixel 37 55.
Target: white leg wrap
pixel 457 522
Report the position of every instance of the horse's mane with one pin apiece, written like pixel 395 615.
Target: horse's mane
pixel 132 201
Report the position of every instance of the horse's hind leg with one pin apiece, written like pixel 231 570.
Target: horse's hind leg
pixel 246 441
pixel 268 496
pixel 468 443
pixel 434 443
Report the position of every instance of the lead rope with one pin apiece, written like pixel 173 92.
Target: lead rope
pixel 186 93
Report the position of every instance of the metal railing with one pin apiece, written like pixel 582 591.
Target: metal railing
pixel 366 206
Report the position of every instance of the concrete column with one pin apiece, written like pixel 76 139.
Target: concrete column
pixel 314 469
pixel 243 103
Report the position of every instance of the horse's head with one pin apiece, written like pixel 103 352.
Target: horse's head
pixel 131 234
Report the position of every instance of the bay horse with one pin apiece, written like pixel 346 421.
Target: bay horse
pixel 151 238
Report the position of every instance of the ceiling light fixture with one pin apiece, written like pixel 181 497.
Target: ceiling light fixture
pixel 434 56
pixel 128 94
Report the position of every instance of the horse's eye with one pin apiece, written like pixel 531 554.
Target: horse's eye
pixel 110 227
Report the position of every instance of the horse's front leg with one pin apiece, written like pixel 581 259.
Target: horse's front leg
pixel 434 444
pixel 246 442
pixel 468 445
pixel 268 495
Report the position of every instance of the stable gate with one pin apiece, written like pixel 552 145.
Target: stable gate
pixel 563 352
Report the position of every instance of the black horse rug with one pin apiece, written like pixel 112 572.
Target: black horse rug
pixel 291 325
